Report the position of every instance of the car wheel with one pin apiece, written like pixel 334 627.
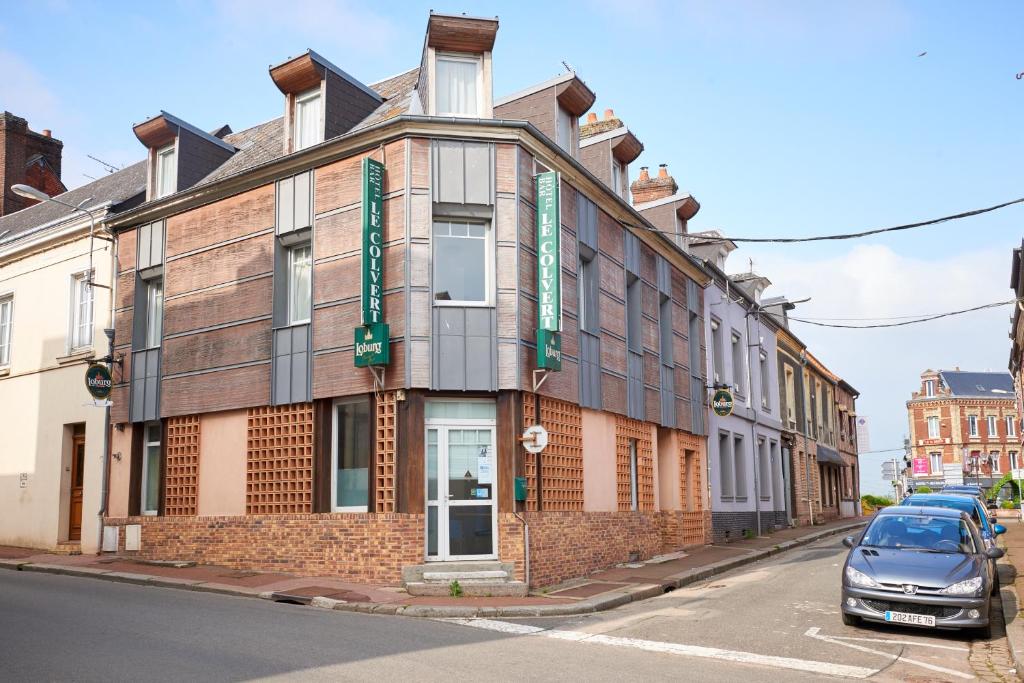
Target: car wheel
pixel 850 620
pixel 984 632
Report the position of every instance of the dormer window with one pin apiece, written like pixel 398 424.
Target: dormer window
pixel 308 129
pixel 166 171
pixel 565 132
pixel 458 85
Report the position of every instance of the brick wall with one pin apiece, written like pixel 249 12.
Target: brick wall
pixel 352 546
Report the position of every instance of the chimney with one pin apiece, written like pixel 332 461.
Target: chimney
pixel 592 117
pixel 609 114
pixel 29 158
pixel 646 189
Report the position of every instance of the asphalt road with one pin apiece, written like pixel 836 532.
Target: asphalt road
pixel 777 620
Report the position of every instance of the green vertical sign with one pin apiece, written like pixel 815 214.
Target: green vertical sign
pixel 373 241
pixel 372 339
pixel 549 272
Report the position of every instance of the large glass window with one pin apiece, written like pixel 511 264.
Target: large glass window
pixel 154 312
pixel 765 391
pixel 458 87
pixel 935 463
pixel 461 261
pixel 588 285
pixel 300 267
pixel 565 133
pixel 1013 460
pixel 717 352
pixel 972 425
pixel 933 427
pixel 6 316
pixel 351 455
pixel 81 311
pixel 151 469
pixel 166 172
pixel 991 427
pixel 1011 428
pixel 738 366
pixel 307 129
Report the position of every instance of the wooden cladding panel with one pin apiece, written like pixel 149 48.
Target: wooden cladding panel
pixel 279 476
pixel 420 154
pixel 386 452
pixel 626 430
pixel 333 326
pixel 127 243
pixel 212 391
pixel 235 216
pixel 342 278
pixel 341 183
pixel 123 326
pixel 505 168
pixel 249 257
pixel 461 34
pixel 335 374
pixel 342 233
pixel 297 75
pixel 217 348
pixel 126 289
pixel 236 301
pixel 181 487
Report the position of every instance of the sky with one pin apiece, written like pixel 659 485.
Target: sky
pixel 782 119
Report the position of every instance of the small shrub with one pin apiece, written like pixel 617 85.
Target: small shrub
pixel 876 501
pixel 748 534
pixel 455 589
pixel 1007 505
pixel 923 489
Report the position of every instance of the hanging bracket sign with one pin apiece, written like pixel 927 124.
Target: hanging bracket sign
pixel 372 339
pixel 549 272
pixel 722 403
pixel 98 381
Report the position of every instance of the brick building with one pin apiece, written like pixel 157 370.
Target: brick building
pixel 330 326
pixel 1016 364
pixel 963 428
pixel 27 158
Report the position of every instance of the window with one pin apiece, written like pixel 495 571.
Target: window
pixel 166 172
pixel 351 455
pixel 307 130
pixel 6 320
pixel 462 262
pixel 634 494
pixel 765 403
pixel 725 466
pixel 634 313
pixel 991 427
pixel 933 427
pixel 791 396
pixel 300 267
pixel 619 176
pixel 718 352
pixel 935 462
pixel 665 330
pixel 154 312
pixel 1013 460
pixel 740 467
pixel 993 460
pixel 1011 427
pixel 588 284
pixel 565 132
pixel 458 86
pixel 764 461
pixel 80 334
pixel 972 425
pixel 151 469
pixel 929 387
pixel 737 362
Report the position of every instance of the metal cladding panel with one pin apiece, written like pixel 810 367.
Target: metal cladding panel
pixel 586 213
pixel 145 389
pixel 463 172
pixel 693 297
pixel 465 350
pixel 150 248
pixel 478 173
pixel 294 203
pixel 291 373
pixel 668 396
pixel 697 407
pixel 590 370
pixel 632 253
pixel 143 251
pixel 635 385
pixel 664 276
pixel 285 206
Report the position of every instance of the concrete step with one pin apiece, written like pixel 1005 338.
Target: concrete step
pixel 466 577
pixel 498 589
pixel 68 548
pixel 414 573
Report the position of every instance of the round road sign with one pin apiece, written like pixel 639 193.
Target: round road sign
pixel 535 438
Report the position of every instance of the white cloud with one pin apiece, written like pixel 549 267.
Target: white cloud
pixel 321 20
pixel 873 281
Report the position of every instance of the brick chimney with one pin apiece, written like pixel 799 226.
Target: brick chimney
pixel 646 189
pixel 593 126
pixel 29 158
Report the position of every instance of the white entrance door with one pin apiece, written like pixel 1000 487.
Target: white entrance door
pixel 461 482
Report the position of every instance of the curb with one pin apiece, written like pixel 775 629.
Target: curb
pixel 1012 616
pixel 596 604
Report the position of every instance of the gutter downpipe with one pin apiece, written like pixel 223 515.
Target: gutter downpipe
pixel 109 332
pixel 753 428
pixel 807 456
pixel 526 545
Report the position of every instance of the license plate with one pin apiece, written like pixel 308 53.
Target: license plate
pixel 914 619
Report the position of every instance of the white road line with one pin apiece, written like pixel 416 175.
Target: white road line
pixel 811 666
pixel 814 633
pixel 903 642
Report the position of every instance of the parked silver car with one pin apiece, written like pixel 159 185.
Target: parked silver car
pixel 919 566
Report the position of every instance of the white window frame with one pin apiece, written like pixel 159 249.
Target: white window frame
pixel 1011 426
pixel 1013 455
pixel 292 320
pixel 790 376
pixel 489 265
pixel 466 58
pixel 717 351
pixel 736 340
pixel 158 176
pixel 993 460
pixel 931 463
pixel 991 426
pixel 80 282
pixel 765 381
pixel 146 443
pixel 972 425
pixel 302 99
pixel 933 420
pixel 154 321
pixel 6 331
pixel 572 144
pixel 929 387
pixel 334 456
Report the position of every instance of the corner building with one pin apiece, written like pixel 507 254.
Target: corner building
pixel 246 435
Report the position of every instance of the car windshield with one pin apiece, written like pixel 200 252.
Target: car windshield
pixel 920 532
pixel 963 503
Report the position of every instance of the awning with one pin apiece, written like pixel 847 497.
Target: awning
pixel 829 456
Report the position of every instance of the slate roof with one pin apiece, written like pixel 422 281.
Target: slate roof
pixel 978 384
pixel 117 188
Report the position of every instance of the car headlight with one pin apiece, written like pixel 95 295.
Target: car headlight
pixel 859 578
pixel 964 587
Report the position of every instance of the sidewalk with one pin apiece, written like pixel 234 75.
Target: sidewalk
pixel 603 590
pixel 1012 583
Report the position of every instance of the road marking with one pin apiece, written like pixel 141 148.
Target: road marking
pixel 814 633
pixel 904 642
pixel 736 656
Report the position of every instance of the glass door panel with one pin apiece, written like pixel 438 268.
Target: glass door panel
pixel 433 505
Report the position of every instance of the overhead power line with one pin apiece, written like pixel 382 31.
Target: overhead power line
pixel 924 319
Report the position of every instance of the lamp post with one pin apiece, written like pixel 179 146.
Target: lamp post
pixel 30 192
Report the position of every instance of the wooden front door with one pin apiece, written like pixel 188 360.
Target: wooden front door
pixel 77 475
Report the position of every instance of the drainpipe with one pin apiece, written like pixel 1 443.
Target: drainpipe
pixel 526 545
pixel 753 427
pixel 807 455
pixel 109 332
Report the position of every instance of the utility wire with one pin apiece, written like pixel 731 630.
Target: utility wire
pixel 907 322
